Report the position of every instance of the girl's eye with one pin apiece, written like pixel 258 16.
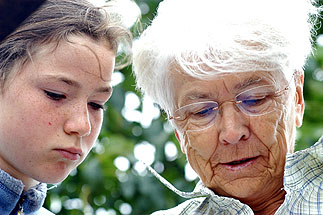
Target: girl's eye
pixel 55 96
pixel 96 106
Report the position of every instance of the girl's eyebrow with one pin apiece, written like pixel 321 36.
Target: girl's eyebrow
pixel 73 83
pixel 107 89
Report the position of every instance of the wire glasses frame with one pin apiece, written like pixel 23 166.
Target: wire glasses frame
pixel 252 102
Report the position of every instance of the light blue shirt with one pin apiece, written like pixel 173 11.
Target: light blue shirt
pixel 303 183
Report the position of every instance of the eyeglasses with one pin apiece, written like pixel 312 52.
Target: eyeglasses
pixel 253 102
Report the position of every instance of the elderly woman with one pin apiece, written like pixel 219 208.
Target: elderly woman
pixel 229 74
pixel 55 77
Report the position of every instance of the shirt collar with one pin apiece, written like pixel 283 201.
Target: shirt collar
pixel 310 160
pixel 12 193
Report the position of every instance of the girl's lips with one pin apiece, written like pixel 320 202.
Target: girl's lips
pixel 240 164
pixel 68 154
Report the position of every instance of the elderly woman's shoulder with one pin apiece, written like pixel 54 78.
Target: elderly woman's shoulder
pixel 311 153
pixel 305 168
pixel 317 149
pixel 303 181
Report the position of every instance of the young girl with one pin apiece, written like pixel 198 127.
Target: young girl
pixel 55 74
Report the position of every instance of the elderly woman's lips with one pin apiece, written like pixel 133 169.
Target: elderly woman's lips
pixel 240 164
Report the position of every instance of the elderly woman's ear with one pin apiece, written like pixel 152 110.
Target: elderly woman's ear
pixel 180 139
pixel 299 99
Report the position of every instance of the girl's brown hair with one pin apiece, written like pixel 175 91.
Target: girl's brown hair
pixel 55 21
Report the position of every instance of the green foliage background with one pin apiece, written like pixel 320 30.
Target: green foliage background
pixel 97 187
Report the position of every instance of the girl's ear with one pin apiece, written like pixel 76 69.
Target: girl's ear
pixel 299 98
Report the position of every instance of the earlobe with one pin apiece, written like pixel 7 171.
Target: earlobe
pixel 179 138
pixel 299 98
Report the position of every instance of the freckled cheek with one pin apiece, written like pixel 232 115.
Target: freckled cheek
pixel 52 120
pixel 51 123
pixel 96 124
pixel 38 119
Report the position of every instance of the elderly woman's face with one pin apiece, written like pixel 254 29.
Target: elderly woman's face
pixel 237 154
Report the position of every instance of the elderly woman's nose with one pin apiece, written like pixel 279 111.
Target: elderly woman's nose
pixel 233 126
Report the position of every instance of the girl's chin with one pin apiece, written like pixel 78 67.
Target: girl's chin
pixel 54 179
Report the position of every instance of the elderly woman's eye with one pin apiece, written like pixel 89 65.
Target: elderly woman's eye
pixel 254 101
pixel 203 112
pixel 54 96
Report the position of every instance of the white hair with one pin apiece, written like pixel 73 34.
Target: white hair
pixel 209 37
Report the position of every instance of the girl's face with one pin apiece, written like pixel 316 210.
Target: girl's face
pixel 52 111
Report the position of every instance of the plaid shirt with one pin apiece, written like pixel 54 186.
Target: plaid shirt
pixel 303 183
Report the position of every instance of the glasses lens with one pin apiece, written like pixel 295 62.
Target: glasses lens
pixel 198 114
pixel 257 101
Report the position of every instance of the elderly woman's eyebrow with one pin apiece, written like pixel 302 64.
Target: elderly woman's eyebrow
pixel 195 94
pixel 248 82
pixel 198 95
